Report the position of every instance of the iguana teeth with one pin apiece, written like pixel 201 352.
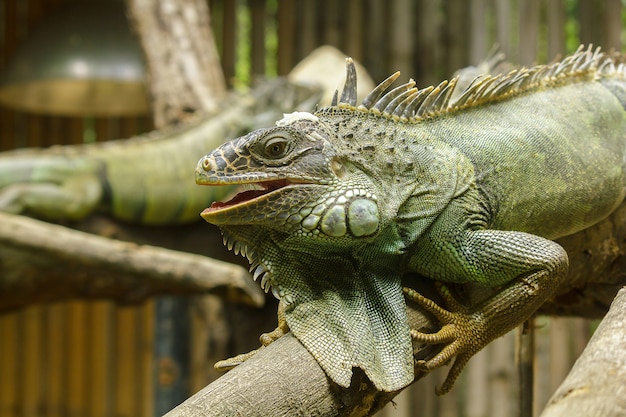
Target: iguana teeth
pixel 252 187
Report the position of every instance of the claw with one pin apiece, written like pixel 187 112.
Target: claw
pixel 461 332
pixel 230 363
pixel 280 330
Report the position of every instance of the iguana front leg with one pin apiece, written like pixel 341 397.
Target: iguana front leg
pixel 489 257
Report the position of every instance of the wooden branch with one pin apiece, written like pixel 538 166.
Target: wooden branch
pixel 283 379
pixel 595 386
pixel 40 262
pixel 185 75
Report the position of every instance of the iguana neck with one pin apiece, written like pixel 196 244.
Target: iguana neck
pixel 347 302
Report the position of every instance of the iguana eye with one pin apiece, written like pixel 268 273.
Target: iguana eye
pixel 276 147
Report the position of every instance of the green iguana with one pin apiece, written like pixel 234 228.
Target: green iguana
pixel 339 204
pixel 146 179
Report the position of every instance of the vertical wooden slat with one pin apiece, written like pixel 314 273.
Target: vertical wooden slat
pixel 99 332
pixel 229 40
pixel 354 29
pixel 542 362
pixel 556 28
pixel 257 37
pixel 559 349
pixel 477 394
pixel 581 333
pixel 457 42
pixel 503 26
pixel 286 30
pixel 612 24
pixel 589 13
pixel 306 34
pixel 9 364
pixel 31 386
pixel 10 36
pixel 331 24
pixel 171 350
pixel 129 126
pixel 376 39
pixel 529 31
pixel 478 31
pixel 74 131
pixel 125 386
pixel 102 127
pixel 77 372
pixel 401 42
pixel 501 375
pixel 34 131
pixel 452 406
pixel 56 130
pixel 200 339
pixel 428 68
pixel 146 325
pixel 525 361
pixel 57 362
pixel 7 129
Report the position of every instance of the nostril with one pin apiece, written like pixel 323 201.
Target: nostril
pixel 206 164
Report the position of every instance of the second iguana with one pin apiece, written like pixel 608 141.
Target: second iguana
pixel 341 203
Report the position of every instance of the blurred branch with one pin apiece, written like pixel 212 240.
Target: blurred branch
pixel 184 71
pixel 41 262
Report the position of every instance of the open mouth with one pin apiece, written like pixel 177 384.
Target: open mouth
pixel 250 192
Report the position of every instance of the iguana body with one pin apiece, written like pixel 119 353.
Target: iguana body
pixel 349 199
pixel 145 179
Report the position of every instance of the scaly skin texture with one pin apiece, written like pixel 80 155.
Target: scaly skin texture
pixel 347 200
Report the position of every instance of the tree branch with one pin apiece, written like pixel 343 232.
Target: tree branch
pixel 595 385
pixel 185 75
pixel 40 262
pixel 283 379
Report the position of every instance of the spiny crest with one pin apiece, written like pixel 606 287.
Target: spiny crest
pixel 409 104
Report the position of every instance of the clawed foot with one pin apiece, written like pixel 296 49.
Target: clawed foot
pixel 265 339
pixel 463 333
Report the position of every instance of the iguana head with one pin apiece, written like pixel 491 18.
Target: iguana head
pixel 293 182
pixel 304 177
